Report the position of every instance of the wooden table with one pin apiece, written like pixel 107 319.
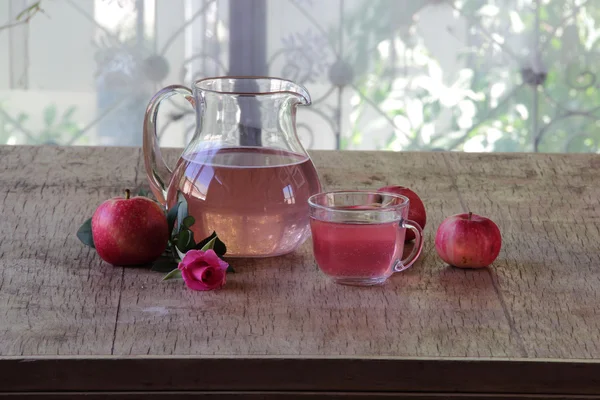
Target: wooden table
pixel 70 323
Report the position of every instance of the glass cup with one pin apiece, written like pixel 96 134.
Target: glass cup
pixel 358 236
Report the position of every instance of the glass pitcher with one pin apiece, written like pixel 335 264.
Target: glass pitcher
pixel 244 174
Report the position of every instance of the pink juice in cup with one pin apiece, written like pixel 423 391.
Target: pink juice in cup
pixel 358 236
pixel 354 249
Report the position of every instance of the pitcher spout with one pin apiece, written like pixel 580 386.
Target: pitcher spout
pixel 300 93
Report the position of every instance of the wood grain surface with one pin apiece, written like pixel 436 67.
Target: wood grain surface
pixel 548 210
pixel 539 301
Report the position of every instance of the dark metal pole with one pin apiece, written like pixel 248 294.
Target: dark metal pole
pixel 248 57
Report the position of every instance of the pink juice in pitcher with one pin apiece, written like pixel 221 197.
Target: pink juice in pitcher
pixel 355 249
pixel 255 198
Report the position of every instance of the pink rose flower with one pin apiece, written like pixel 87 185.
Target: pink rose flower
pixel 203 270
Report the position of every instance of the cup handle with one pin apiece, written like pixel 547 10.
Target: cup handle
pixel 401 265
pixel 159 174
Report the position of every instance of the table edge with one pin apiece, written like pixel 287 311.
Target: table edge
pixel 199 373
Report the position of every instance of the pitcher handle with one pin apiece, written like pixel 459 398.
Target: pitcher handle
pixel 159 174
pixel 401 265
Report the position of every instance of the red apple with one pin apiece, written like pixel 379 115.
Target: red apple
pixel 130 231
pixel 416 208
pixel 468 241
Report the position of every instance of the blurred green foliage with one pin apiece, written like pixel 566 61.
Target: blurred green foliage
pixel 529 77
pixel 57 128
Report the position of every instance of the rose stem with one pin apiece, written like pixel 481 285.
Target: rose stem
pixel 127 194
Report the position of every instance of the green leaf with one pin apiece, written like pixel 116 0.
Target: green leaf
pixel 29 10
pixel 188 221
pixel 210 245
pixel 179 254
pixel 203 242
pixel 230 270
pixel 69 127
pixel 174 274
pixel 182 212
pixel 23 12
pixel 84 233
pixel 184 239
pixel 171 217
pixel 68 114
pixel 219 247
pixel 164 264
pixel 192 243
pixel 49 115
